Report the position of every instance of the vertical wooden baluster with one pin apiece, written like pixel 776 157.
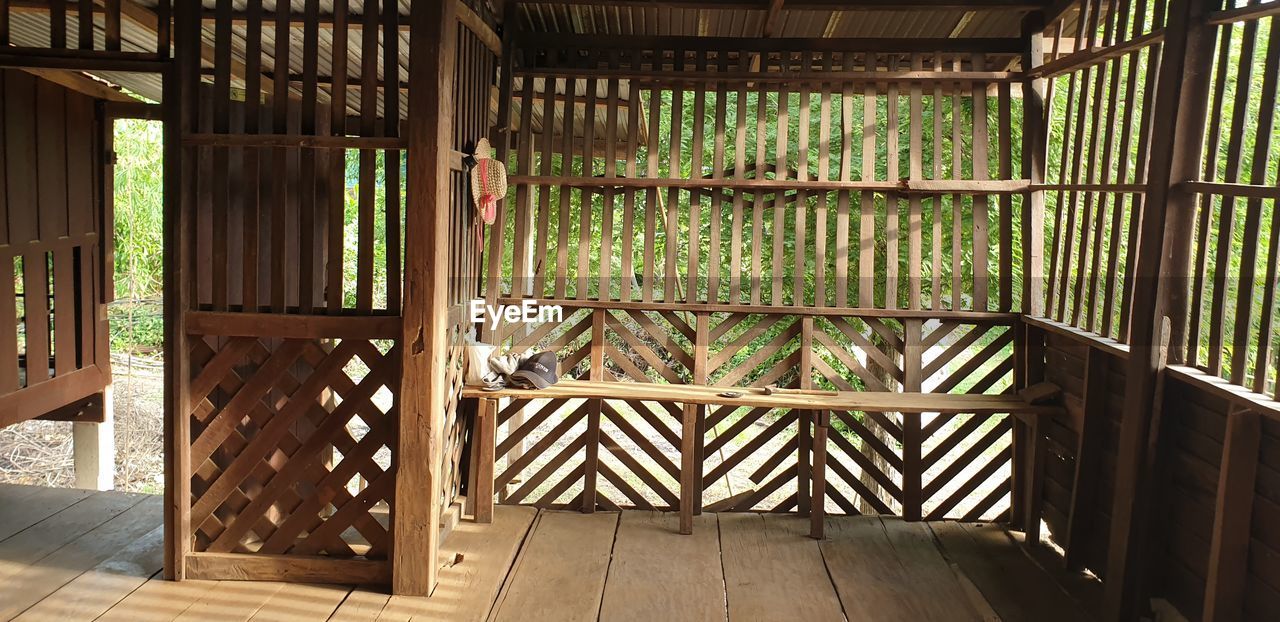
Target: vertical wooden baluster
pixel 779 200
pixel 1004 114
pixel 566 192
pixel 671 240
pixel 867 232
pixel 650 197
pixel 549 86
pixel 846 174
pixel 714 266
pixel 629 200
pixel 892 202
pixel 757 198
pixel 824 172
pixel 588 194
pixel 915 171
pixel 981 217
pixel 610 170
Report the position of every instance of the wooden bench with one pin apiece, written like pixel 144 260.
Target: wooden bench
pixel 1029 404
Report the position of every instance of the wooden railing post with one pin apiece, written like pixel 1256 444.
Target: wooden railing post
pixel 804 422
pixel 1159 292
pixel 701 375
pixel 912 437
pixel 591 467
pixel 424 343
pixel 1233 512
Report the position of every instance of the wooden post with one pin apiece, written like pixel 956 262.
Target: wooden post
pixel 1233 513
pixel 94 448
pixel 424 346
pixel 180 96
pixel 701 352
pixel 1034 149
pixel 689 488
pixel 912 438
pixel 591 466
pixel 483 450
pixel 1159 291
pixel 817 513
pixel 804 421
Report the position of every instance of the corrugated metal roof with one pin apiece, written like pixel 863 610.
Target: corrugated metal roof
pixel 32 29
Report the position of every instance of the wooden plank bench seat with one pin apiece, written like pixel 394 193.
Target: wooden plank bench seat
pixel 1028 405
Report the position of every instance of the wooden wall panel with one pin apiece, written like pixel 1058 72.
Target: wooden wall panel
pixel 51 316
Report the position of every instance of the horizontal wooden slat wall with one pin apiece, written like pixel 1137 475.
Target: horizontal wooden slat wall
pixel 697 209
pixel 53 337
pixel 1100 102
pixel 1231 328
pixel 293 326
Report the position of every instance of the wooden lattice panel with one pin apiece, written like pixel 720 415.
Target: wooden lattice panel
pixel 290 446
pixel 966 467
pixel 639 456
pixel 648 346
pixel 455 420
pixel 857 354
pixel 751 459
pixel 967 358
pixel 570 339
pixel 864 470
pixel 754 350
pixel 539 456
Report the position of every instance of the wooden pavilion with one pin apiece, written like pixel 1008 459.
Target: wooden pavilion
pixel 1013 264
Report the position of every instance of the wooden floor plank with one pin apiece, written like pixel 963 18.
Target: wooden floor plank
pixel 774 571
pixel 21 591
pixel 23 506
pixel 231 600
pixel 467 588
pixel 950 595
pixel 158 601
pixel 363 604
pixel 1016 587
pixel 658 574
pixel 879 576
pixel 560 572
pixel 301 601
pixel 95 592
pixel 20 552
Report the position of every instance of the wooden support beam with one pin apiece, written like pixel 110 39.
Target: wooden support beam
pixel 1232 518
pixel 773 17
pixel 733 46
pixel 1159 293
pixel 180 97
pixel 82 83
pixel 424 345
pixel 1035 149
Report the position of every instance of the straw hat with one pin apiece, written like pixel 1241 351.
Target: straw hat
pixel 488 182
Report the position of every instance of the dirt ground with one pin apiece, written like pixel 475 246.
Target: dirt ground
pixel 39 452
